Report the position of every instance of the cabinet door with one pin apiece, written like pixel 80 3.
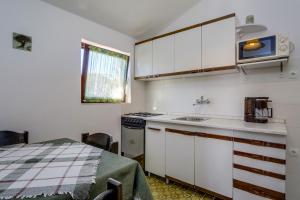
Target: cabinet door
pixel 163 55
pixel 143 59
pixel 180 157
pixel 218 44
pixel 213 165
pixel 155 150
pixel 188 50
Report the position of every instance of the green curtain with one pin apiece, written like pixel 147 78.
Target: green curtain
pixel 106 76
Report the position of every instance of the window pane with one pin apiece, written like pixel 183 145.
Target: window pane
pixel 106 76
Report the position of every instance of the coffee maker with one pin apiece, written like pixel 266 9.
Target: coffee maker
pixel 257 110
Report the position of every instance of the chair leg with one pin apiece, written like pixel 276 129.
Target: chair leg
pixel 26 137
pixel 84 137
pixel 116 186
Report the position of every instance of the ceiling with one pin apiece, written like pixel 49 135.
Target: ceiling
pixel 136 18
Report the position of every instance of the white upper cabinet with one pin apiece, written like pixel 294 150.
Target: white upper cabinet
pixel 143 59
pixel 163 55
pixel 188 50
pixel 218 43
pixel 211 45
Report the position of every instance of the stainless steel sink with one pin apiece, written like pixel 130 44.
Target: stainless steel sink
pixel 192 119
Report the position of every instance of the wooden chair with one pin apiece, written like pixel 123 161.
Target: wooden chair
pixel 100 140
pixel 113 192
pixel 10 138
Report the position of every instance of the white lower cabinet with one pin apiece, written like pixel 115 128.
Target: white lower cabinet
pixel 228 164
pixel 155 149
pixel 180 156
pixel 213 163
pixel 259 166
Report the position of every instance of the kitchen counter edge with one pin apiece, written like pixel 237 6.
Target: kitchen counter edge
pixel 232 124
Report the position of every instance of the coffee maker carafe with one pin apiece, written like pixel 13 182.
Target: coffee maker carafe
pixel 257 110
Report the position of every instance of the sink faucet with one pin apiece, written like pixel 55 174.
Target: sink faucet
pixel 201 101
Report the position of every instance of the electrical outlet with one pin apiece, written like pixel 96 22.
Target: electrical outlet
pixel 294 152
pixel 281 75
pixel 293 75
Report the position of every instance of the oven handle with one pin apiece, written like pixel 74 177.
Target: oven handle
pixel 132 127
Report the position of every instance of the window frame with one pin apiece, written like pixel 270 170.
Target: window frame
pixel 85 46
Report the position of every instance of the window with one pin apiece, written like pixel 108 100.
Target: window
pixel 103 75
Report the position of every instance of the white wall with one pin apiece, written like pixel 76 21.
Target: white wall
pixel 228 91
pixel 40 90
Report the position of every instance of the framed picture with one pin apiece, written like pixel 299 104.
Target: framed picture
pixel 22 42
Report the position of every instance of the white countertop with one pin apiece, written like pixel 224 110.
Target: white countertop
pixel 231 124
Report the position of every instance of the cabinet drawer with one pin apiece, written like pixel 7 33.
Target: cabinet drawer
pixel 259 164
pixel 247 191
pixel 260 150
pixel 259 180
pixel 243 195
pixel 279 139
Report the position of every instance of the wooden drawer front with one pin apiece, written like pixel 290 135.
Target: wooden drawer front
pixel 243 195
pixel 247 191
pixel 260 150
pixel 259 164
pixel 260 180
pixel 279 139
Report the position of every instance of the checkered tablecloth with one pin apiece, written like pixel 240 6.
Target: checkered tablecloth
pixel 47 169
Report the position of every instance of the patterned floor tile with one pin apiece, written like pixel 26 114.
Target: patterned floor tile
pixel 162 191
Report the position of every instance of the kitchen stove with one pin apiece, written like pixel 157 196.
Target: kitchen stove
pixel 143 114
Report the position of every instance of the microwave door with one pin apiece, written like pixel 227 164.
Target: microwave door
pixel 257 48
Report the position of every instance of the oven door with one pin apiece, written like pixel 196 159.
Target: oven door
pixel 257 49
pixel 132 141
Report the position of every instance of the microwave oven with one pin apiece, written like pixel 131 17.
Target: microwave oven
pixel 262 49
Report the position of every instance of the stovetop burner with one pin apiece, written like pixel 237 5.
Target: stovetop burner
pixel 143 114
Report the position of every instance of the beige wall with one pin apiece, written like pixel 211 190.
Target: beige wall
pixel 40 91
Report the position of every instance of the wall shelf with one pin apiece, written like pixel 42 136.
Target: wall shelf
pixel 263 64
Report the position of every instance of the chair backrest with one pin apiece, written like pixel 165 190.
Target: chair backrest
pixel 114 147
pixel 10 138
pixel 100 140
pixel 113 192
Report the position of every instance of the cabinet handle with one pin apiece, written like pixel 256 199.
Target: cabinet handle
pixel 154 129
pixel 188 133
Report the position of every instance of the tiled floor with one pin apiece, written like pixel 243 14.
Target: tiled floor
pixel 173 191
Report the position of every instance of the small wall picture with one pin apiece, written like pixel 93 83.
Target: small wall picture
pixel 22 42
